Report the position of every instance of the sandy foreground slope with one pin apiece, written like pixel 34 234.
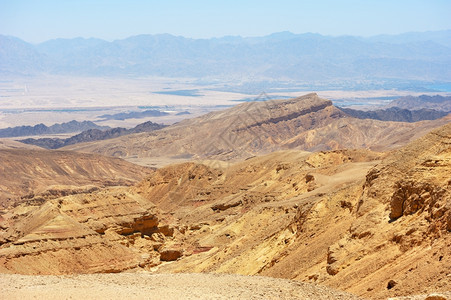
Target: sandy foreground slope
pixel 161 286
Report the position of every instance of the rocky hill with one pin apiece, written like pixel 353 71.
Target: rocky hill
pixel 437 102
pixel 92 135
pixel 373 224
pixel 10 144
pixel 29 173
pixel 41 129
pixel 306 123
pixel 342 219
pixel 396 114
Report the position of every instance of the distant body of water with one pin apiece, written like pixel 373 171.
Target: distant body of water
pixel 186 93
pixel 440 87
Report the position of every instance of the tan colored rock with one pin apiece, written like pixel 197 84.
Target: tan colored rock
pixel 157 237
pixel 170 254
pixel 84 233
pixel 167 230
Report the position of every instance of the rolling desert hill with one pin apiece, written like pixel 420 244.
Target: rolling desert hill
pixel 307 123
pixel 373 224
pixel 10 144
pixel 27 173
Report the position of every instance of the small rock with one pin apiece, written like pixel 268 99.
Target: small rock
pixel 166 230
pixel 309 177
pixel 157 237
pixel 224 206
pixel 332 270
pixel 170 254
pixel 391 284
pixel 313 277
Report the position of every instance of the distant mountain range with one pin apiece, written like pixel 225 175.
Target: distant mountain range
pixel 92 135
pixel 281 56
pixel 40 129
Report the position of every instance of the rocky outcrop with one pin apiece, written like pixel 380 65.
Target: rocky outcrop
pixel 402 216
pixel 170 254
pixel 412 196
pixel 101 232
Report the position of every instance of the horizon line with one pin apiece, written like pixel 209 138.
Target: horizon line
pixel 226 36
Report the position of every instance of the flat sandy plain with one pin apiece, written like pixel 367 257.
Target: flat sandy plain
pixel 161 286
pixel 57 99
pixel 49 100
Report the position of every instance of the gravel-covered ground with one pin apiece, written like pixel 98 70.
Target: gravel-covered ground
pixel 160 286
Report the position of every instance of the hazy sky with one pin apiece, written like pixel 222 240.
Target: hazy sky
pixel 40 20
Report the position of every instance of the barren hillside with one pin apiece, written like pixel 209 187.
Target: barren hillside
pixel 27 173
pixel 329 218
pixel 10 144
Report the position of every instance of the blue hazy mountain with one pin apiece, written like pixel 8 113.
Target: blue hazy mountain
pixel 284 55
